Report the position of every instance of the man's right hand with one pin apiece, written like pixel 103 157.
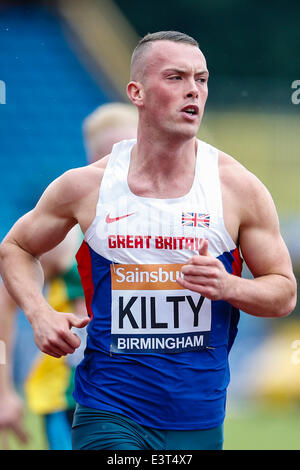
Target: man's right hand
pixel 52 332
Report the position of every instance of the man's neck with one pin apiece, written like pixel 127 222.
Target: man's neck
pixel 164 153
pixel 165 167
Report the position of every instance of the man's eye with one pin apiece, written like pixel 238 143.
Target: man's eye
pixel 175 77
pixel 201 80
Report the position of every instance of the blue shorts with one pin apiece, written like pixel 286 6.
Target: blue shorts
pixel 101 430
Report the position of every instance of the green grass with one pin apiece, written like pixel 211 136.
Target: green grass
pixel 258 427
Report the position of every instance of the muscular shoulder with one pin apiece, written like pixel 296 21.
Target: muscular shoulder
pixel 77 182
pixel 79 191
pixel 243 190
pixel 73 195
pixel 233 174
pixel 74 185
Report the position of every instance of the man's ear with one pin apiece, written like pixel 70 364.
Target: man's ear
pixel 135 93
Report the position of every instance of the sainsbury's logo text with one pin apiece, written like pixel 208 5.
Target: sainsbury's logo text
pixel 145 276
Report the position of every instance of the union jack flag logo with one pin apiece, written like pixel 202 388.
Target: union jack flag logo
pixel 194 219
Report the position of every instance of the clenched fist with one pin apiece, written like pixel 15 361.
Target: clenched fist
pixel 52 332
pixel 205 274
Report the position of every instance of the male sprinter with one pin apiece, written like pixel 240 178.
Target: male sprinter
pixel 165 218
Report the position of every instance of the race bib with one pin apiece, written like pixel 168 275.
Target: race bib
pixel 151 312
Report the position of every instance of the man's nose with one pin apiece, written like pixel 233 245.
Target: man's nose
pixel 192 90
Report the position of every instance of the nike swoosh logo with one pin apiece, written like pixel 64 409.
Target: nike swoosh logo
pixel 109 219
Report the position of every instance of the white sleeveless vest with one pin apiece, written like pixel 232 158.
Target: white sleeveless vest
pixel 147 240
pixel 156 352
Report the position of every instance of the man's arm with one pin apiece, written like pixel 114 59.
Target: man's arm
pixel 34 234
pixel 272 291
pixel 54 263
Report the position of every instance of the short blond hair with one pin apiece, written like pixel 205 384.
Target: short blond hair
pixel 106 119
pixel 108 116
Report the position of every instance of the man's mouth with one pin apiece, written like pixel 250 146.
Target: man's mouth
pixel 191 110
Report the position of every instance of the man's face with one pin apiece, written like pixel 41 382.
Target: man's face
pixel 175 87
